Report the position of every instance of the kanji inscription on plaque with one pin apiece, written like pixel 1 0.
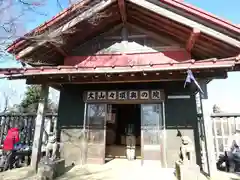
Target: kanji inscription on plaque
pixel 101 95
pixel 133 95
pixel 155 94
pixel 122 95
pixel 144 95
pixel 91 95
pixel 112 95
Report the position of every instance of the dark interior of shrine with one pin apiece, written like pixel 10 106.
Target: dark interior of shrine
pixel 125 119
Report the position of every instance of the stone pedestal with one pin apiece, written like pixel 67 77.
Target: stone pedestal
pixel 130 147
pixel 50 169
pixel 187 172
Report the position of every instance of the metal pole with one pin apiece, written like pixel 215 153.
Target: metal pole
pixel 164 135
pixel 85 135
pixel 142 133
pixel 85 117
pixel 204 135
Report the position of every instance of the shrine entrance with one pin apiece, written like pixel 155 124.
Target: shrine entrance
pixel 123 127
pixel 109 123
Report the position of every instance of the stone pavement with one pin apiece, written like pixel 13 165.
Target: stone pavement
pixel 226 176
pixel 121 169
pixel 118 169
pixel 17 174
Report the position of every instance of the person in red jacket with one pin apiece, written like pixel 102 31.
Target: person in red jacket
pixel 11 139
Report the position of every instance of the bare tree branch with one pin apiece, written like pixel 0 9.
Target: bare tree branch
pixel 6 102
pixel 6 98
pixel 14 14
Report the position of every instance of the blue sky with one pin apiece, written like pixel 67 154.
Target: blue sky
pixel 225 93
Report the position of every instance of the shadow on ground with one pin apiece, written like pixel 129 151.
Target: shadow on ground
pixel 68 168
pixel 236 176
pixel 85 173
pixel 118 169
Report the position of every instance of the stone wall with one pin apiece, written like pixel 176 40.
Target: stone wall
pixel 70 123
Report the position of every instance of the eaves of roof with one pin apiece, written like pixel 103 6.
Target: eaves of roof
pixel 19 73
pixel 175 3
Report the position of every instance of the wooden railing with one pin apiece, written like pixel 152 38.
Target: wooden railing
pixel 224 125
pixel 26 125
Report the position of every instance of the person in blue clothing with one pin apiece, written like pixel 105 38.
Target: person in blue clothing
pixel 231 156
pixel 233 151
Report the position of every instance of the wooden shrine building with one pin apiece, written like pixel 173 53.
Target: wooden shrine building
pixel 120 67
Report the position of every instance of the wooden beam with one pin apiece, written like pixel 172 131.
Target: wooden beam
pixel 139 77
pixel 136 11
pixel 192 39
pixel 94 32
pixel 154 25
pixel 124 43
pixel 122 10
pixel 154 21
pixel 102 34
pixel 57 87
pixel 83 16
pixel 149 69
pixel 156 36
pixel 39 127
pixel 238 57
pixel 58 49
pixel 145 4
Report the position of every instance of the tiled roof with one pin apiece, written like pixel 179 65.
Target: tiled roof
pixel 127 59
pixel 110 68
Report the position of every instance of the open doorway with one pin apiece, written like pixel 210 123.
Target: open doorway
pixel 125 119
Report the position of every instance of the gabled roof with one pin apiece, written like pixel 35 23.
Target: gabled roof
pixel 218 38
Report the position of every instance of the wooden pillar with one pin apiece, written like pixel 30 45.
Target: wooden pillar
pixel 209 142
pixel 124 39
pixel 39 127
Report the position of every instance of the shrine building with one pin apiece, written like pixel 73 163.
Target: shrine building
pixel 120 67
